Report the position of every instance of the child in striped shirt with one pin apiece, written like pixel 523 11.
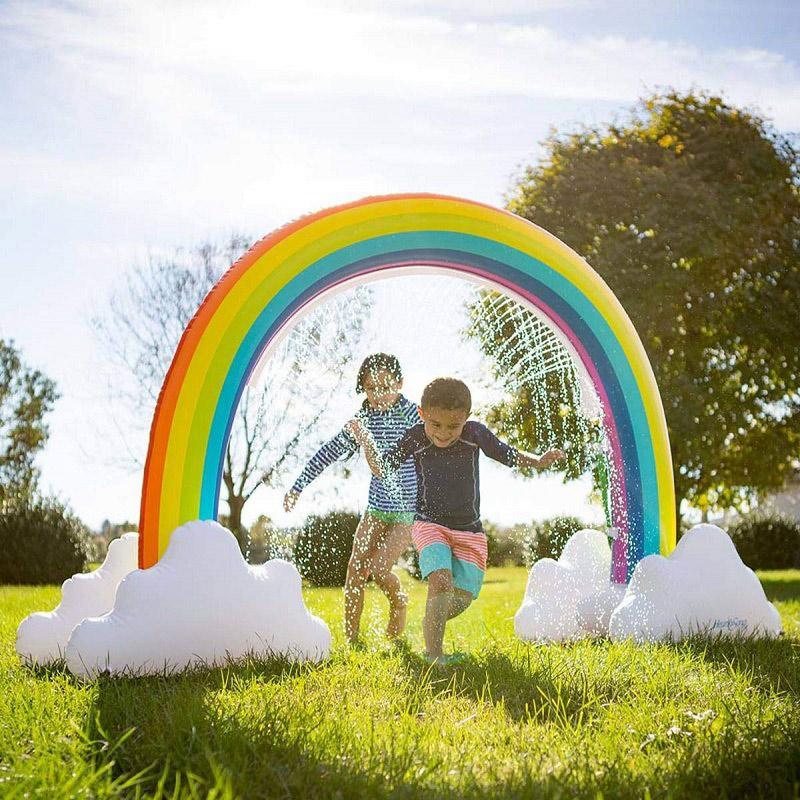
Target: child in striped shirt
pixel 447 531
pixel 384 531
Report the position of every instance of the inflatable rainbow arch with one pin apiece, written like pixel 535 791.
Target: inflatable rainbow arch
pixel 290 268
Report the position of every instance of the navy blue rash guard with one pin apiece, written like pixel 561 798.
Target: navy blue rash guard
pixel 448 481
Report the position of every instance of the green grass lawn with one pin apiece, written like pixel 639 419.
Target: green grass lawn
pixel 696 719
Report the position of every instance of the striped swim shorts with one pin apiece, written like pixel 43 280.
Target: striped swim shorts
pixel 463 553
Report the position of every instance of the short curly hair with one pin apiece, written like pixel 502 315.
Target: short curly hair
pixel 450 394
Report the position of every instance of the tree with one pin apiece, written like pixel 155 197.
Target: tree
pixel 690 211
pixel 26 397
pixel 113 530
pixel 145 319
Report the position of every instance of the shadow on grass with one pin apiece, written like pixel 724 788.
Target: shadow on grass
pixel 182 739
pixel 529 688
pixel 209 731
pixel 180 733
pixel 771 665
pixel 57 669
pixel 180 736
pixel 781 586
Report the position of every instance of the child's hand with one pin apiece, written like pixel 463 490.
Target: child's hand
pixel 290 500
pixel 550 457
pixel 356 430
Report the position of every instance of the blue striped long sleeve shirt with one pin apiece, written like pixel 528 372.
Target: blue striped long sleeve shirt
pixel 394 494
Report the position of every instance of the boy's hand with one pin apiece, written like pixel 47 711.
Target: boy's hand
pixel 356 430
pixel 550 457
pixel 290 500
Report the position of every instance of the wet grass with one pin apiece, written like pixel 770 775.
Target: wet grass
pixel 591 719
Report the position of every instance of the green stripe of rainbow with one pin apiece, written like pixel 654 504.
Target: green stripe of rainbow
pixel 295 264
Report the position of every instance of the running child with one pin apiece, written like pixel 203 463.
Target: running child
pixel 447 530
pixel 384 531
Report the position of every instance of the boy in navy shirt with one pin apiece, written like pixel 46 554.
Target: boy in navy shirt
pixel 447 531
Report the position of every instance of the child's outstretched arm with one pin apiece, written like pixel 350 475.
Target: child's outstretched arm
pixel 526 460
pixel 340 446
pixel 511 456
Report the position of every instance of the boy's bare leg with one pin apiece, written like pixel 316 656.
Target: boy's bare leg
pixel 397 539
pixel 358 572
pixel 460 602
pixel 437 610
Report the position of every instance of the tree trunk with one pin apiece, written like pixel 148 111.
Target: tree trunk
pixel 235 506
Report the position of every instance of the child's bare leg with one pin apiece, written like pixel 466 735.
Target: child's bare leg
pixel 437 609
pixel 396 541
pixel 358 572
pixel 460 602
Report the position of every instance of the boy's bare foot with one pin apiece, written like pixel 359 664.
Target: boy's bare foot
pixel 397 617
pixel 446 660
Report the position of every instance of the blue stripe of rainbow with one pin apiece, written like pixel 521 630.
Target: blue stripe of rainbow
pixel 638 510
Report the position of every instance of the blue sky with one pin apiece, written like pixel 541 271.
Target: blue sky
pixel 131 128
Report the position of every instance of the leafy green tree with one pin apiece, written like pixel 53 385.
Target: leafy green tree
pixel 26 397
pixel 689 209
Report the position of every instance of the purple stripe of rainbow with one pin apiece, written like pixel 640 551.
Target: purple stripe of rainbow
pixel 628 505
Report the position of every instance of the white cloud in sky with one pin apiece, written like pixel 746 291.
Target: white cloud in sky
pixel 138 125
pixel 294 106
pixel 202 96
pixel 160 54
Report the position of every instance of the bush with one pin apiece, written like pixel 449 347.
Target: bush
pixel 41 542
pixel 97 548
pixel 767 541
pixel 266 541
pixel 547 539
pixel 323 548
pixel 506 545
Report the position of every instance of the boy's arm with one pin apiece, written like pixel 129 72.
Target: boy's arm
pixel 412 415
pixel 381 465
pixel 527 460
pixel 511 456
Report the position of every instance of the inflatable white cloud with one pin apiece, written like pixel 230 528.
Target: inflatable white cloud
pixel 201 604
pixel 549 610
pixel 42 637
pixel 595 610
pixel 701 587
